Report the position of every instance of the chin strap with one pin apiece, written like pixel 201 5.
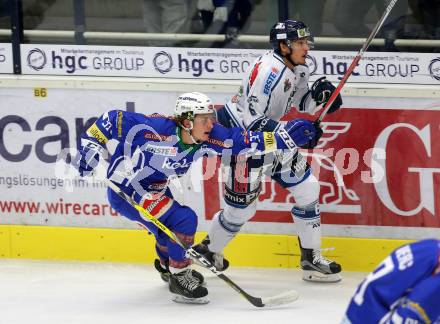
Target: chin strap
pixel 188 130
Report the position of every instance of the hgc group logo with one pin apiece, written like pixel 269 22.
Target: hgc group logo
pixel 163 62
pixel 312 64
pixel 434 68
pixel 36 59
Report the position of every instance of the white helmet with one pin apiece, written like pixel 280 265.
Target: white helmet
pixel 193 103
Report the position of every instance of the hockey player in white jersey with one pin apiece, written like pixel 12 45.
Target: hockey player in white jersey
pixel 273 85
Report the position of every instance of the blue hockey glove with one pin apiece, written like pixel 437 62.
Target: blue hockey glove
pixel 88 157
pixel 304 133
pixel 322 91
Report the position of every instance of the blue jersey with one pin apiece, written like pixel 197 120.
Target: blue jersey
pixel 148 150
pixel 404 288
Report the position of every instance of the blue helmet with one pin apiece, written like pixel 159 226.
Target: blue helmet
pixel 288 30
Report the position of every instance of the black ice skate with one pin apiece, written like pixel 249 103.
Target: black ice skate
pixel 217 259
pixel 185 288
pixel 317 268
pixel 165 272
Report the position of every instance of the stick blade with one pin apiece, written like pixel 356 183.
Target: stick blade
pixel 281 299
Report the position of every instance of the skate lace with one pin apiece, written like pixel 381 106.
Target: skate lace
pixel 318 258
pixel 188 281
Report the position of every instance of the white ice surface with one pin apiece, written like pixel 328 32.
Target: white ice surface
pixel 34 292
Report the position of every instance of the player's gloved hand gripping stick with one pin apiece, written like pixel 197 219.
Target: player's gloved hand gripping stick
pixel 283 298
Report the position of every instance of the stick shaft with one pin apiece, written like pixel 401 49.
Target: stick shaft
pixel 356 61
pixel 256 301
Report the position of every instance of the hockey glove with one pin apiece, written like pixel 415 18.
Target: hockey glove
pixel 304 133
pixel 313 142
pixel 88 157
pixel 322 91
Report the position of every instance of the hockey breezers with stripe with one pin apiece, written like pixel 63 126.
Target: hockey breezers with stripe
pixel 280 299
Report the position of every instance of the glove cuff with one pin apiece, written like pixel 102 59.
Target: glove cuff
pixel 93 145
pixel 284 140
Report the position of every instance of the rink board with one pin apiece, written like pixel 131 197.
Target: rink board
pixel 377 162
pixel 47 215
pixel 136 246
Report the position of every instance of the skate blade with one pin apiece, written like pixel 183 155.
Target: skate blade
pixel 316 276
pixel 165 277
pixel 200 264
pixel 184 300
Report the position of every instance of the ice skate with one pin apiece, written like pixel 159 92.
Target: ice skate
pixel 217 259
pixel 165 272
pixel 317 268
pixel 185 288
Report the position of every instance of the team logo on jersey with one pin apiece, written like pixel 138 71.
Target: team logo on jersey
pixel 173 165
pixel 161 150
pixel 287 85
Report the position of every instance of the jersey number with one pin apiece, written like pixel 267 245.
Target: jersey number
pixel 384 268
pixel 106 123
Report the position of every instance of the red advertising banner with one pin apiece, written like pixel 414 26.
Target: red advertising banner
pixel 377 167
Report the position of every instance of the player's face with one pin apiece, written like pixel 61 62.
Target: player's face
pixel 299 48
pixel 203 125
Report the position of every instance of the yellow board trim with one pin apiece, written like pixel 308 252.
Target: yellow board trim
pixel 136 246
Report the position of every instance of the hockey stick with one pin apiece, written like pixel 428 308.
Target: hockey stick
pixel 284 298
pixel 355 61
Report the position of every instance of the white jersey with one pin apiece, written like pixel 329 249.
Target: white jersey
pixel 269 91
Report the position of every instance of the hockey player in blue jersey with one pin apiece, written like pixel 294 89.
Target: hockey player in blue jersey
pixel 150 150
pixel 404 288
